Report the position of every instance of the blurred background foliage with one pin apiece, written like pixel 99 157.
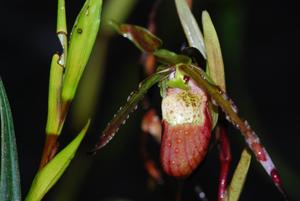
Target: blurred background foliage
pixel 259 41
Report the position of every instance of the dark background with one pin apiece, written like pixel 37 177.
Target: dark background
pixel 260 44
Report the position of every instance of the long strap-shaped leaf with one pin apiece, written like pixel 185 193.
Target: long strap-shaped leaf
pixel 227 105
pixel 132 101
pixel 9 176
pixel 239 177
pixel 48 175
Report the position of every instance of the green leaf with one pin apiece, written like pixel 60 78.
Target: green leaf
pixel 213 52
pixel 54 99
pixel 48 175
pixel 132 101
pixel 239 177
pixel 82 40
pixel 141 37
pixel 190 26
pixel 171 58
pixel 9 175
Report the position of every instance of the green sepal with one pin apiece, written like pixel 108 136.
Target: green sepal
pixel 190 26
pixel 215 68
pixel 9 173
pixel 171 58
pixel 82 40
pixel 212 108
pixel 48 175
pixel 215 65
pixel 141 37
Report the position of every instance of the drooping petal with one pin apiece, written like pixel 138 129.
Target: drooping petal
pixel 132 101
pixel 226 104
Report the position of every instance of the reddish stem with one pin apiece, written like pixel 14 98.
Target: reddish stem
pixel 151 19
pixel 149 60
pixel 51 144
pixel 50 149
pixel 190 3
pixel 225 159
pixel 149 124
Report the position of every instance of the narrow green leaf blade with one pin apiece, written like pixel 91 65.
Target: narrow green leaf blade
pixel 48 175
pixel 82 40
pixel 190 26
pixel 9 175
pixel 132 101
pixel 213 52
pixel 54 97
pixel 141 37
pixel 239 177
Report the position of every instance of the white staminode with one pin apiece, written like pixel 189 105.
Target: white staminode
pixel 183 106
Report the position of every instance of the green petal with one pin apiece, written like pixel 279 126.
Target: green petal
pixel 48 175
pixel 9 175
pixel 132 101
